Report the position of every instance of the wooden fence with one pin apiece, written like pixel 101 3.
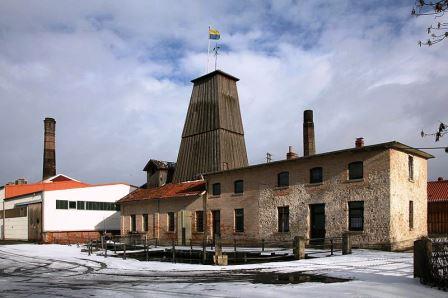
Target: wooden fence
pixel 438 218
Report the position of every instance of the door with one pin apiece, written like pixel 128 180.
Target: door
pixel 184 227
pixel 317 221
pixel 216 223
pixel 35 222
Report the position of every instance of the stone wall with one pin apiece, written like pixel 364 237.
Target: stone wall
pixel 70 237
pixel 403 190
pixel 157 211
pixel 261 197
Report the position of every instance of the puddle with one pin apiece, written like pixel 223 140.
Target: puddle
pixel 293 278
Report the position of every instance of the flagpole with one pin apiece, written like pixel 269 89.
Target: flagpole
pixel 208 50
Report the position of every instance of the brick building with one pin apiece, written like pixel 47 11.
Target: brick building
pixel 377 193
pixel 438 207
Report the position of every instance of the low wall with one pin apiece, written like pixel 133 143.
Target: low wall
pixel 71 237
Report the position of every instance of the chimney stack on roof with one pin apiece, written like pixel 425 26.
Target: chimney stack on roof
pixel 49 166
pixel 20 181
pixel 359 143
pixel 309 148
pixel 291 154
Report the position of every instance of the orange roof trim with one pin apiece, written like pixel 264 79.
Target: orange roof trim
pixel 170 190
pixel 12 191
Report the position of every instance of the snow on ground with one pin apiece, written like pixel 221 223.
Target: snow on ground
pixel 49 270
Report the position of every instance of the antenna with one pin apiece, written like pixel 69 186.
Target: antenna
pixel 215 52
pixel 268 157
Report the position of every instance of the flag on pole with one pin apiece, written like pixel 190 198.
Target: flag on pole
pixel 213 34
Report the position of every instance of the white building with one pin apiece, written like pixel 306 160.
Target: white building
pixel 60 209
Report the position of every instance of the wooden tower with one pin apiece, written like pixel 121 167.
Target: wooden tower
pixel 213 136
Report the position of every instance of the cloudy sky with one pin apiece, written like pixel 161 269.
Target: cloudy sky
pixel 116 77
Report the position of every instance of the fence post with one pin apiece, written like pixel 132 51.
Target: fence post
pixel 219 258
pixel 332 245
pixel 422 258
pixel 234 244
pixel 89 245
pixel 105 246
pixel 299 247
pixel 146 248
pixel 174 252
pixel 115 247
pixel 124 251
pixel 262 244
pixel 204 251
pixel 346 244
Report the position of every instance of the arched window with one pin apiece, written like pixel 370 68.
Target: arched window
pixel 355 170
pixel 283 179
pixel 316 175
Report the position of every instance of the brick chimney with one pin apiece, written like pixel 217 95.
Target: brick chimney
pixel 20 181
pixel 291 154
pixel 359 143
pixel 309 148
pixel 49 166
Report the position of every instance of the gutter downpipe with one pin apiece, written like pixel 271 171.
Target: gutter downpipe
pixel 4 215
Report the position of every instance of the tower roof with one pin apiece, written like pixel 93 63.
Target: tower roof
pixel 213 73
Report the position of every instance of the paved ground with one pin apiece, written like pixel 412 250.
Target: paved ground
pixel 56 270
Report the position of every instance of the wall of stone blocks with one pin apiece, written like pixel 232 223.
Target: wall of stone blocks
pixel 404 190
pixel 261 197
pixel 157 211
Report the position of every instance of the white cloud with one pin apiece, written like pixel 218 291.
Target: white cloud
pixel 116 78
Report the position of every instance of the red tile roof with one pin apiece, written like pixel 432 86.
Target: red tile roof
pixel 12 191
pixel 438 191
pixel 170 190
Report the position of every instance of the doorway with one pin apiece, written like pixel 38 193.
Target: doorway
pixel 35 222
pixel 317 230
pixel 216 223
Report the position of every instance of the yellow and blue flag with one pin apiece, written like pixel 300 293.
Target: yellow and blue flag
pixel 213 34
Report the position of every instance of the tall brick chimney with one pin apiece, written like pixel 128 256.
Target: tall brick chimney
pixel 309 148
pixel 49 167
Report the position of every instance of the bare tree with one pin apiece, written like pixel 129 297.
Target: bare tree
pixel 437 31
pixel 443 130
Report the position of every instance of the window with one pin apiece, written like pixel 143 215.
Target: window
pixel 61 204
pixel 133 223
pixel 316 175
pixel 145 222
pixel 81 205
pixel 411 167
pixel 239 186
pixel 283 219
pixel 411 215
pixel 355 170
pixel 283 179
pixel 239 220
pixel 356 216
pixel 101 206
pixel 72 205
pixel 171 221
pixel 199 221
pixel 216 189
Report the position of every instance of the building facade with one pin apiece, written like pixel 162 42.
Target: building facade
pixel 61 209
pixel 438 207
pixel 376 193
